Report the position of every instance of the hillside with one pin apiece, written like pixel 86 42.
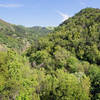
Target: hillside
pixel 19 37
pixel 74 45
pixel 63 65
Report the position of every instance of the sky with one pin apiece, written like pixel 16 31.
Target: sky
pixel 42 12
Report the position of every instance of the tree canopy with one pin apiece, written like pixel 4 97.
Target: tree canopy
pixel 63 65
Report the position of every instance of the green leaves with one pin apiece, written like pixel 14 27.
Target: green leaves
pixel 65 86
pixel 64 64
pixel 61 55
pixel 94 74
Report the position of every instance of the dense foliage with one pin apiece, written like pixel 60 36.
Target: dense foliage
pixel 74 46
pixel 64 65
pixel 20 82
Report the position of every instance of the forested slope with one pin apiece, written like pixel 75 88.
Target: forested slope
pixel 64 65
pixel 74 46
pixel 19 37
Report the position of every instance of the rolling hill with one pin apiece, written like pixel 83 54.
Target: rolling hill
pixel 19 37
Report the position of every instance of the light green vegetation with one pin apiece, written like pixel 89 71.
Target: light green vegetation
pixel 64 65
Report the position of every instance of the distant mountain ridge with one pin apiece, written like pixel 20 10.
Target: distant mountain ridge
pixel 17 36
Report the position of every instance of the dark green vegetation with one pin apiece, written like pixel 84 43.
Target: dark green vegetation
pixel 20 37
pixel 64 65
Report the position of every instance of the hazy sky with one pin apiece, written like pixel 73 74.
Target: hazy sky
pixel 42 12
